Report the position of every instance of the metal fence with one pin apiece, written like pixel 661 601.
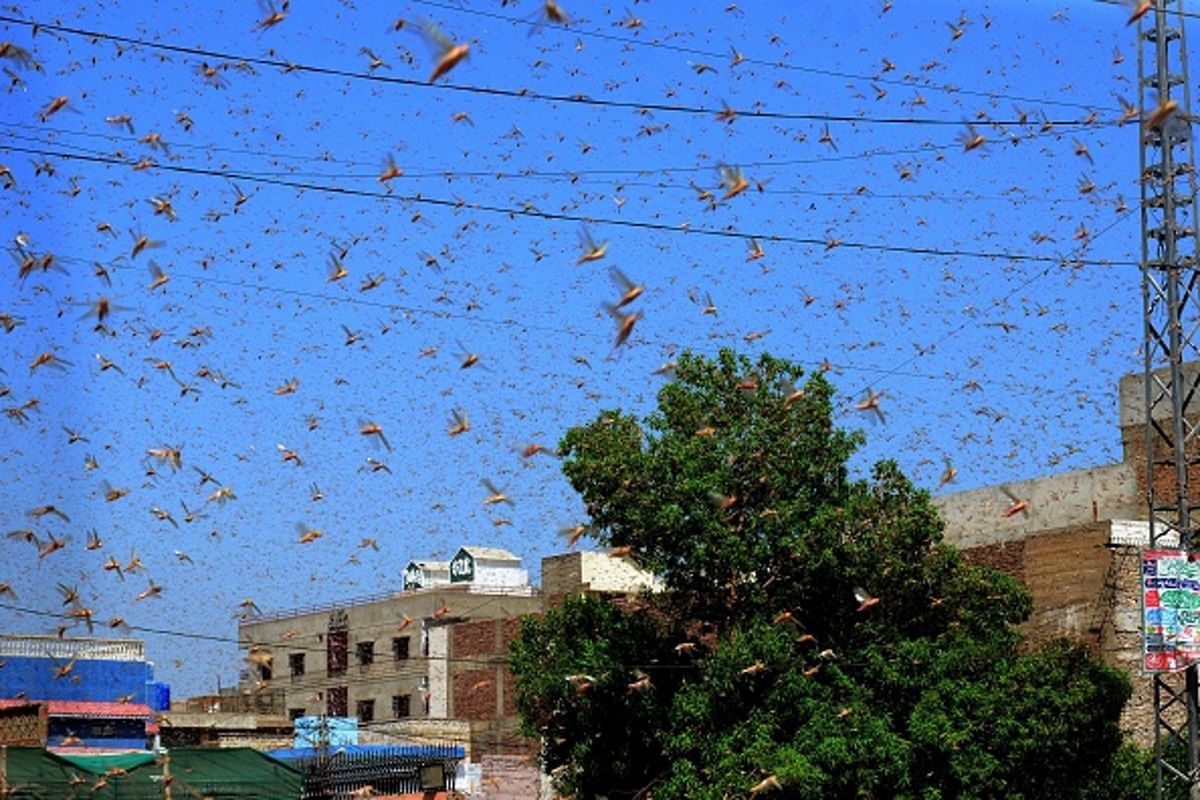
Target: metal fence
pixel 338 775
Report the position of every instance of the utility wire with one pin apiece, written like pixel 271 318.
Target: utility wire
pixel 1009 295
pixel 523 325
pixel 576 30
pixel 532 212
pixel 492 91
pixel 297 647
pixel 554 176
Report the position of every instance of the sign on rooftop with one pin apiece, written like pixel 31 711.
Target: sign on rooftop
pixel 462 567
pixel 1170 610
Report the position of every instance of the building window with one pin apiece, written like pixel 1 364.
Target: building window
pixel 296 664
pixel 366 653
pixel 401 706
pixel 337 702
pixel 295 713
pixel 366 710
pixel 264 671
pixel 400 648
pixel 337 653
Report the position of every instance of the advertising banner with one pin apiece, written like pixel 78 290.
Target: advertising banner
pixel 1170 610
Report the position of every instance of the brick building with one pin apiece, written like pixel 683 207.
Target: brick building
pixel 386 657
pixel 1075 546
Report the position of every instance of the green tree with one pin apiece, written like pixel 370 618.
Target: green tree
pixel 815 637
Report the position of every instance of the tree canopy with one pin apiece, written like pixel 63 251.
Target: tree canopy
pixel 815 637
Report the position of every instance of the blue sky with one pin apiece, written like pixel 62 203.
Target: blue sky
pixel 912 266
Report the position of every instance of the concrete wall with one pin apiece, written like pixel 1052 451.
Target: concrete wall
pixel 438 642
pixel 976 517
pixel 592 572
pixel 418 731
pixel 90 679
pixel 509 777
pixel 499 573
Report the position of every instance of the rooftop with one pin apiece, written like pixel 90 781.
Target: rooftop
pixel 490 553
pixel 79 647
pixel 87 708
pixel 381 597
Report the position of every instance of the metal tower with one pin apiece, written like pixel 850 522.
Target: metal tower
pixel 1170 279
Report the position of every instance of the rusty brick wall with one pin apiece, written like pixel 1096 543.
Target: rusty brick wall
pixel 25 725
pixel 474 693
pixel 1133 440
pixel 1121 639
pixel 1121 643
pixel 1064 570
pixel 1005 556
pixel 473 639
pixel 1089 592
pixel 481 683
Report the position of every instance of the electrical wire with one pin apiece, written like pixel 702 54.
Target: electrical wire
pixel 291 646
pixel 492 91
pixel 531 212
pixel 568 176
pixel 576 30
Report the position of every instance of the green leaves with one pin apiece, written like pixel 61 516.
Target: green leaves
pixel 574 670
pixel 816 637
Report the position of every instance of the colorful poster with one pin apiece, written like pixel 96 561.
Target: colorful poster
pixel 1170 610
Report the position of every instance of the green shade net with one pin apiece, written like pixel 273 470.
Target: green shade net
pixel 222 774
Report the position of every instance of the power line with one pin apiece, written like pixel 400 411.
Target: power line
pixel 836 366
pixel 1020 287
pixel 298 647
pixel 569 176
pixel 492 91
pixel 557 216
pixel 743 59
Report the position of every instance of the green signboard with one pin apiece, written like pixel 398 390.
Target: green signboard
pixel 462 568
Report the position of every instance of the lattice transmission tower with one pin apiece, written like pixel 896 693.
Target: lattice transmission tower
pixel 1170 280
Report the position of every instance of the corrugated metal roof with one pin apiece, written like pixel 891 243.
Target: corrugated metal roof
pixel 86 708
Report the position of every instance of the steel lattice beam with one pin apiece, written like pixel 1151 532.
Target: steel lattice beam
pixel 1172 333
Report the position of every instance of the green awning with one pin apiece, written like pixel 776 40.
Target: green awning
pixel 32 772
pixel 101 764
pixel 223 774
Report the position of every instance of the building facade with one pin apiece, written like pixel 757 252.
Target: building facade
pixel 1075 546
pixel 79 694
pixel 594 573
pixel 383 657
pixel 79 669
